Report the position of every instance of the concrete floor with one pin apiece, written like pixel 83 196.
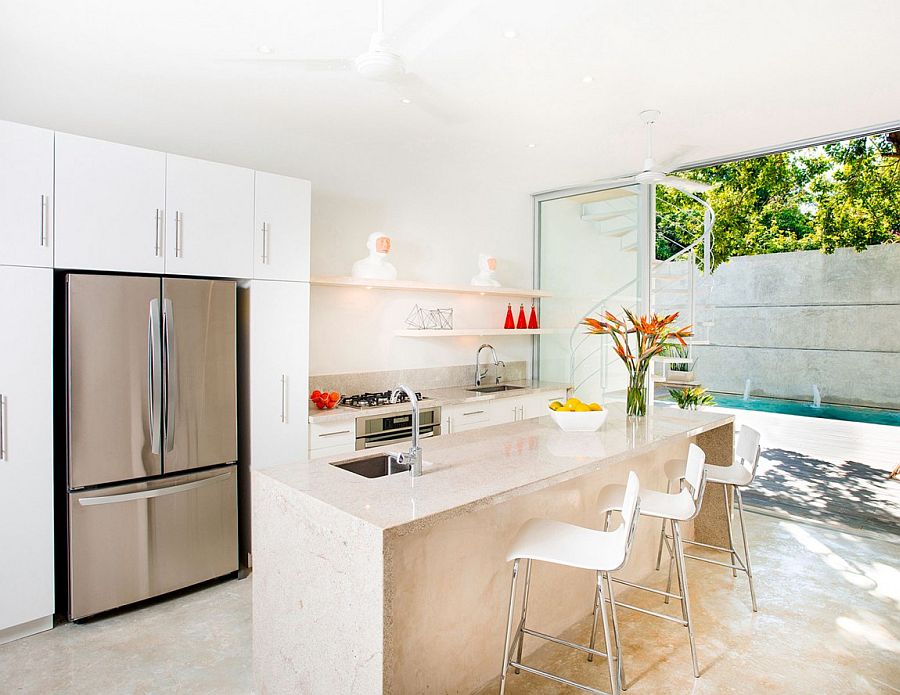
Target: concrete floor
pixel 829 622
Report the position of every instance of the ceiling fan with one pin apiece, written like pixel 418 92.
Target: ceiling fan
pixel 653 173
pixel 381 62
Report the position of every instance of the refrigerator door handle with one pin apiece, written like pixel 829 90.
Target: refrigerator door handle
pixel 148 494
pixel 171 373
pixel 154 377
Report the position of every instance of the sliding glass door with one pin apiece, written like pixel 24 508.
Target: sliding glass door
pixel 593 256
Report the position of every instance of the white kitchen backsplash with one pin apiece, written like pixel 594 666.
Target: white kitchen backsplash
pixel 419 379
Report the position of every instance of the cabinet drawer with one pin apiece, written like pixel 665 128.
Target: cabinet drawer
pixel 332 435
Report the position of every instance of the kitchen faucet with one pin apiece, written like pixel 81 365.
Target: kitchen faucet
pixel 413 458
pixel 479 375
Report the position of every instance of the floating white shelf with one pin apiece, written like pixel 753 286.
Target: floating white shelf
pixel 413 286
pixel 457 332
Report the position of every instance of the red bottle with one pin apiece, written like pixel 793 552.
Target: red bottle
pixel 532 320
pixel 521 322
pixel 510 322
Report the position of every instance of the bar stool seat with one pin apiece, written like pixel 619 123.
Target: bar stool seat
pixel 735 474
pixel 565 544
pixel 654 503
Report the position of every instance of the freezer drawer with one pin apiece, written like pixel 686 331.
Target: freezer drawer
pixel 131 542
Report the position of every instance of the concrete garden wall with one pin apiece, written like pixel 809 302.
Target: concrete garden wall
pixel 790 320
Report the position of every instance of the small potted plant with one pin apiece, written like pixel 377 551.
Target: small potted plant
pixel 679 371
pixel 692 397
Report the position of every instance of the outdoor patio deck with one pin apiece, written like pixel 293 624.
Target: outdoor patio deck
pixel 831 471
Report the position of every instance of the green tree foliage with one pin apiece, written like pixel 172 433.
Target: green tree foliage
pixel 842 195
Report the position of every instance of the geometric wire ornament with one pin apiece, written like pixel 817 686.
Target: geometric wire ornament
pixel 430 319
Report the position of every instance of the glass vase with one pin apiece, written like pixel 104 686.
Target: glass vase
pixel 636 398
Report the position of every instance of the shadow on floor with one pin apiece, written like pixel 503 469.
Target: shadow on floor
pixel 849 493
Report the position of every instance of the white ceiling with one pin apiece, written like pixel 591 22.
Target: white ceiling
pixel 728 75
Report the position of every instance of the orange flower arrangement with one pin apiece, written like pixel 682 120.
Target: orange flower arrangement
pixel 653 335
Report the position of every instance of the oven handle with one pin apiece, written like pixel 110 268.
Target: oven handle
pixel 370 443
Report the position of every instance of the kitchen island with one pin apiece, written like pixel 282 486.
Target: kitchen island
pixel 400 584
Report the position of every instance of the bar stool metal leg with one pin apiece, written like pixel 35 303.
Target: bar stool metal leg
pixel 740 499
pixel 662 531
pixel 671 562
pixel 615 621
pixel 685 602
pixel 509 619
pixel 730 529
pixel 597 601
pixel 613 679
pixel 521 636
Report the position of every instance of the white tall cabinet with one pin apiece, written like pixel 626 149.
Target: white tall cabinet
pixel 279 372
pixel 26 451
pixel 110 206
pixel 26 195
pixel 209 218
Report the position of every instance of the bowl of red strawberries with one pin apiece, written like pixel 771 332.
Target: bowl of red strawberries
pixel 325 400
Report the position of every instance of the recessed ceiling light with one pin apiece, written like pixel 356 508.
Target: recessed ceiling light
pixel 264 49
pixel 510 34
pixel 531 145
pixel 587 79
pixel 404 100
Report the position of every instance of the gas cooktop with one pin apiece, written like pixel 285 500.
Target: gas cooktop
pixel 373 400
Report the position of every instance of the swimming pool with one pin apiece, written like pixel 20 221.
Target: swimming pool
pixel 826 410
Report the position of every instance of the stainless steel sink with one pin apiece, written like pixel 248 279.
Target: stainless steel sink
pixel 376 466
pixel 495 389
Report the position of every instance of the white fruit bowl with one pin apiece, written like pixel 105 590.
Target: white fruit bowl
pixel 578 422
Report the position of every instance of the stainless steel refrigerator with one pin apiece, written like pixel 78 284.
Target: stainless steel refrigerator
pixel 152 436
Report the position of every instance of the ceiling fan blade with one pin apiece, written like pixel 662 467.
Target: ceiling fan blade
pixel 685 185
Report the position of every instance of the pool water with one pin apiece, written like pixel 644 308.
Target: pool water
pixel 875 416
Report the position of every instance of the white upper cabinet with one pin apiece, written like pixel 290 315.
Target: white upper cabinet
pixel 209 218
pixel 26 190
pixel 110 206
pixel 281 232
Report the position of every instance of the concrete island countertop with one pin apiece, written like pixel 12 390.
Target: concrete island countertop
pixel 486 466
pixel 453 395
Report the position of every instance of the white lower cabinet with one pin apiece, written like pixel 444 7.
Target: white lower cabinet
pixel 467 416
pixel 332 438
pixel 26 451
pixel 470 416
pixel 279 372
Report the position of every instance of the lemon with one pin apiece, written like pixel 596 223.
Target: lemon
pixel 595 406
pixel 573 402
pixel 556 405
pixel 582 408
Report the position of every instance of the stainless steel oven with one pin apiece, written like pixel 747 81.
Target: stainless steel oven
pixel 395 428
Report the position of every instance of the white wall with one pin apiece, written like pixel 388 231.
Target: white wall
pixel 438 227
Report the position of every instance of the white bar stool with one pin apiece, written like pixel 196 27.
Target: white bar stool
pixel 675 508
pixel 573 546
pixel 739 474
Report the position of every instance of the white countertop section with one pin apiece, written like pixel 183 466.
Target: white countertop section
pixel 487 466
pixel 435 397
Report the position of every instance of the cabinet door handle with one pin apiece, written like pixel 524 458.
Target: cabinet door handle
pixel 160 214
pixel 284 398
pixel 179 232
pixel 265 243
pixel 3 453
pixel 332 434
pixel 44 221
pixel 474 412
